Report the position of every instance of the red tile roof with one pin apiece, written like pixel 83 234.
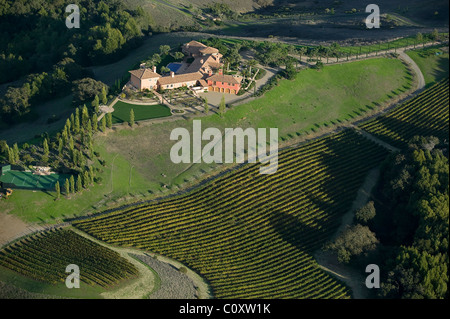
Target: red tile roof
pixel 194 47
pixel 144 74
pixel 180 78
pixel 225 78
pixel 209 50
pixel 203 83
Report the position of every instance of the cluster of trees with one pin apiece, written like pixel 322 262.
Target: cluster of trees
pixel 88 89
pixel 230 51
pixel 34 33
pixel 405 230
pixel 356 240
pixel 222 10
pixel 415 191
pixel 159 59
pixel 273 54
pixel 70 151
pixel 17 101
pixel 34 38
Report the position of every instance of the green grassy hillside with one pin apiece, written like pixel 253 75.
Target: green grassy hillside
pixel 433 62
pixel 138 160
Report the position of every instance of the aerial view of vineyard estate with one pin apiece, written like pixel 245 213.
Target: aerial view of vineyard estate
pixel 224 155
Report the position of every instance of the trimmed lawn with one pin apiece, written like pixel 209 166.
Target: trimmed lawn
pixel 434 67
pixel 141 112
pixel 336 94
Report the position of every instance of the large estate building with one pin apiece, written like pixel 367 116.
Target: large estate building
pixel 204 70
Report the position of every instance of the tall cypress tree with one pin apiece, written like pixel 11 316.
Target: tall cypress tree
pixel 90 148
pixel 84 117
pixel 11 156
pixel 58 190
pixel 77 121
pixel 109 120
pixel 68 124
pixel 103 96
pixel 72 121
pixel 16 153
pixel 79 183
pixel 131 117
pixel 96 104
pixel 94 122
pixel 103 124
pixel 45 147
pixel 89 127
pixel 60 146
pixel 67 186
pixel 91 174
pixel 222 106
pixel 86 179
pixel 71 144
pixel 72 184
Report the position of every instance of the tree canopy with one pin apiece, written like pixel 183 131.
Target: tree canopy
pixel 414 221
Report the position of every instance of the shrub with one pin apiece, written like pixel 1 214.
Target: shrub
pixel 353 241
pixel 365 213
pixel 98 180
pixel 260 74
pixel 318 65
pixel 183 270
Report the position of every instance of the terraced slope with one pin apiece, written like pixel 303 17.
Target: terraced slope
pixel 252 235
pixel 45 256
pixel 427 114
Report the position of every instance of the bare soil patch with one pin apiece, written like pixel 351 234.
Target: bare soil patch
pixel 10 226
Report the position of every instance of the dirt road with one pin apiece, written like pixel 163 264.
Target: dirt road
pixel 328 261
pixel 415 67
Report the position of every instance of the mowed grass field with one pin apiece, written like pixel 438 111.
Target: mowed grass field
pixel 433 62
pixel 141 112
pixel 138 160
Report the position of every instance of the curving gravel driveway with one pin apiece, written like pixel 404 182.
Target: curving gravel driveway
pixel 416 69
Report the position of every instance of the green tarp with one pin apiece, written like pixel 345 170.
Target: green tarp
pixel 5 169
pixel 31 181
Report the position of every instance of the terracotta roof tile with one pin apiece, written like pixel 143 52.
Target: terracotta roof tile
pixel 208 61
pixel 194 43
pixel 203 83
pixel 144 74
pixel 180 78
pixel 225 78
pixel 209 50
